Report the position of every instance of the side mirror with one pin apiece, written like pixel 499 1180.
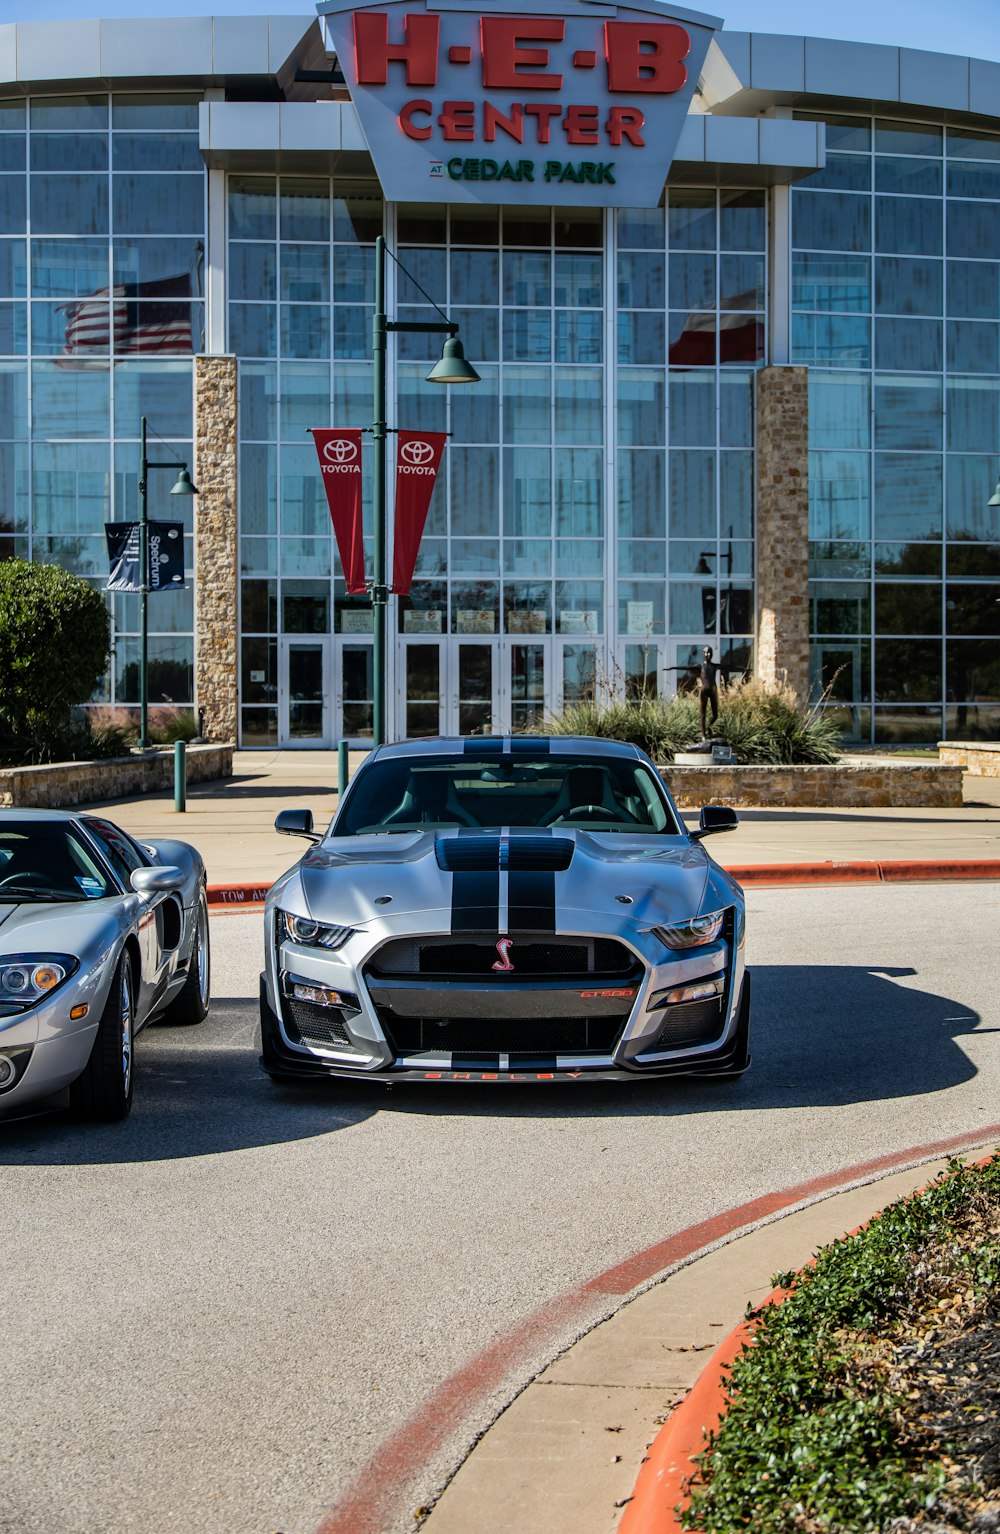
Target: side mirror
pixel 156 881
pixel 713 818
pixel 296 823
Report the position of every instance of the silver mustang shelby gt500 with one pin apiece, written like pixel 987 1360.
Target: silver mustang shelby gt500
pixel 522 909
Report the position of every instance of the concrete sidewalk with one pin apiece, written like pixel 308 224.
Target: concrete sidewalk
pixel 232 822
pixel 564 1456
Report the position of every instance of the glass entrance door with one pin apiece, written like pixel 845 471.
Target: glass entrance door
pixel 304 716
pixel 641 669
pixel 524 695
pixel 473 694
pixel 355 672
pixel 423 694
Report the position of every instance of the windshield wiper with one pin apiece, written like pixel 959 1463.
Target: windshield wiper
pixel 28 892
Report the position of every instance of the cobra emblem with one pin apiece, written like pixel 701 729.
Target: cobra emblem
pixel 503 963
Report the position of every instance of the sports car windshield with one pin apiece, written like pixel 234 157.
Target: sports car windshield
pixel 609 794
pixel 46 860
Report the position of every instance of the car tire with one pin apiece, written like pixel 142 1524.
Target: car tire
pixel 190 1005
pixel 103 1092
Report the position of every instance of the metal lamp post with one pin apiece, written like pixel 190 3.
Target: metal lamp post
pixel 451 369
pixel 182 487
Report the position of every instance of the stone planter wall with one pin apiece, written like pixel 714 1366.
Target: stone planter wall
pixel 63 785
pixel 845 785
pixel 981 758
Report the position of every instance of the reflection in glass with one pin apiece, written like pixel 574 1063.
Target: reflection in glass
pixel 907 670
pixel 913 345
pixel 641 494
pixel 831 340
pixel 908 412
pixel 71 487
pixel 831 221
pixel 839 607
pixel 907 608
pixel 691 219
pixel 904 285
pixel 831 283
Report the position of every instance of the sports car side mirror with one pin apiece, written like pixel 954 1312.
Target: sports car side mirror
pixel 715 817
pixel 296 823
pixel 156 881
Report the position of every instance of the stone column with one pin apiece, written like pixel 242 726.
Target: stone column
pixel 783 527
pixel 215 551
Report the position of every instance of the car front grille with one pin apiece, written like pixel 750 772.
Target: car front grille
pixel 476 1035
pixel 476 953
pixel 536 994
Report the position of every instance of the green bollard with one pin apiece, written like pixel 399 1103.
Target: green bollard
pixel 343 769
pixel 180 776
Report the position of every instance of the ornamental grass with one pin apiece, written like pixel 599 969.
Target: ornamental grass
pixel 764 724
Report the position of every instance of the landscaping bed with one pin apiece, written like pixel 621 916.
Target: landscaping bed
pixel 868 1399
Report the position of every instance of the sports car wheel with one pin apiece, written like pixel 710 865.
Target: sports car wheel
pixel 104 1090
pixel 190 1005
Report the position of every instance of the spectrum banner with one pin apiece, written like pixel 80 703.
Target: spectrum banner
pixel 418 458
pixel 339 454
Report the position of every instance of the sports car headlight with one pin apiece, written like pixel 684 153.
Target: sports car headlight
pixel 691 934
pixel 311 934
pixel 25 978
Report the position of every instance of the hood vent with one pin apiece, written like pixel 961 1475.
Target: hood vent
pixel 481 854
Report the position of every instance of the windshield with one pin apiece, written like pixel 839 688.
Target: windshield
pixel 47 860
pixel 490 792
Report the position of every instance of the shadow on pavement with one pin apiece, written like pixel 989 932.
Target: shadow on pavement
pixel 823 1036
pixel 197 1092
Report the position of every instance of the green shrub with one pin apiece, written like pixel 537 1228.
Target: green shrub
pixel 54 645
pixel 814 1436
pixel 762 724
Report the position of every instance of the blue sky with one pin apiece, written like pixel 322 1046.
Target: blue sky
pixel 963 26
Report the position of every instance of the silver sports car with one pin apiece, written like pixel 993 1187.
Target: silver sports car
pixel 98 934
pixel 508 909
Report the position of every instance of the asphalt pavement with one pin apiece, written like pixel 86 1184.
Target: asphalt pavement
pixel 327 1311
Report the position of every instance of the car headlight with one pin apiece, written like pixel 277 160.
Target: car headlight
pixel 311 934
pixel 25 978
pixel 691 934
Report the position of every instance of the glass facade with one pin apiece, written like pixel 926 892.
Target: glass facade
pixel 896 310
pixel 585 361
pixel 102 231
pixel 594 521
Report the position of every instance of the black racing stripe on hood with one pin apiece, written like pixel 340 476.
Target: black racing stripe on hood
pixel 529 745
pixel 531 900
pixel 475 900
pixel 474 747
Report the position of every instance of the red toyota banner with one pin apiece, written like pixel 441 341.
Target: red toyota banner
pixel 340 461
pixel 418 457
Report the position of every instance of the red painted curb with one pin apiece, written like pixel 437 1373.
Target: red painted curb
pixel 374 1501
pixel 865 872
pixel 661 1485
pixel 236 896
